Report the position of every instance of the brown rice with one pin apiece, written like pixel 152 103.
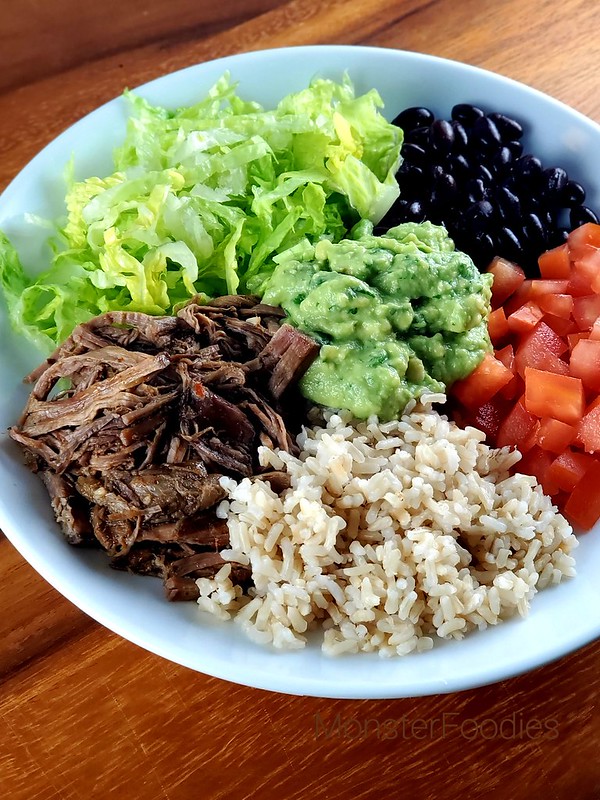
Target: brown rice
pixel 390 535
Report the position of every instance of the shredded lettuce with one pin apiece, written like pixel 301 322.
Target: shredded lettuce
pixel 201 200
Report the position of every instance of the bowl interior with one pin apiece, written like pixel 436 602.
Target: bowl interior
pixel 561 618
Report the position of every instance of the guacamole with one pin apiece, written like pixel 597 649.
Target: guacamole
pixel 395 315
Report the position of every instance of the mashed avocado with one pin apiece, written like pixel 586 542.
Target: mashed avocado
pixel 395 315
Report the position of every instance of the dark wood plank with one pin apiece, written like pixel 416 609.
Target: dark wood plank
pixel 40 38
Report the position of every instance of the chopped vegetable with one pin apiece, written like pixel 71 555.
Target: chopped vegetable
pixel 483 383
pixel 554 435
pixel 507 279
pixel 583 505
pixel 201 200
pixel 550 408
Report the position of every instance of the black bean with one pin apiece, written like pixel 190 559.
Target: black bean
pixel 394 216
pixel 444 186
pixel 412 179
pixel 414 117
pixel 485 131
pixel 484 174
pixel 413 153
pixel 510 205
pixel 508 127
pixel 416 211
pixel 478 216
pixel 501 160
pixel 547 217
pixel 476 190
pixel 483 249
pixel 516 148
pixel 557 236
pixel 528 166
pixel 420 136
pixel 579 215
pixel 459 167
pixel 555 179
pixel 509 245
pixel 461 138
pixel 573 194
pixel 442 135
pixel 535 231
pixel 466 114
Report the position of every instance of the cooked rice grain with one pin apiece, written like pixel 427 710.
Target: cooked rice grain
pixel 390 535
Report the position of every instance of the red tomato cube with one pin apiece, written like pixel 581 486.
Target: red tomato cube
pixel 588 433
pixel 483 383
pixel 507 279
pixel 498 326
pixel 525 319
pixel 518 428
pixel 550 395
pixel 555 264
pixel 537 462
pixel 554 435
pixel 559 305
pixel 568 469
pixel 583 506
pixel 586 311
pixel 585 363
pixel 588 234
pixel 541 350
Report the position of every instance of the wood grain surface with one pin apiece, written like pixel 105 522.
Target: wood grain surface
pixel 85 714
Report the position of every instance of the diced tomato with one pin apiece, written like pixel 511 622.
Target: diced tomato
pixel 498 326
pixel 559 305
pixel 585 363
pixel 550 395
pixel 537 462
pixel 525 319
pixel 507 278
pixel 554 435
pixel 517 428
pixel 555 264
pixel 584 271
pixel 515 386
pixel 588 234
pixel 562 327
pixel 573 338
pixel 586 310
pixel 507 356
pixel 544 336
pixel 541 350
pixel 489 416
pixel 519 298
pixel 483 383
pixel 542 288
pixel 579 283
pixel 583 506
pixel 569 468
pixel 595 332
pixel 588 433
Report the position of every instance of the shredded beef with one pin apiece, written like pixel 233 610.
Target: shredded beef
pixel 156 411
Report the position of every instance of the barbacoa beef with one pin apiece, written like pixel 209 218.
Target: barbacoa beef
pixel 156 411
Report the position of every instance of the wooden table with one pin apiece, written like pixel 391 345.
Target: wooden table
pixel 87 715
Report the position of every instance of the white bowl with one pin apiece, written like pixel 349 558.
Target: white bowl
pixel 561 619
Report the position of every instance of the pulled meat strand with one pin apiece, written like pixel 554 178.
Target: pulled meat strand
pixel 156 410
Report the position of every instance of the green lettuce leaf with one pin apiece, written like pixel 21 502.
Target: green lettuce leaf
pixel 203 198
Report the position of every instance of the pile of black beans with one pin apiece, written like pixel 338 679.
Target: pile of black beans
pixel 470 174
